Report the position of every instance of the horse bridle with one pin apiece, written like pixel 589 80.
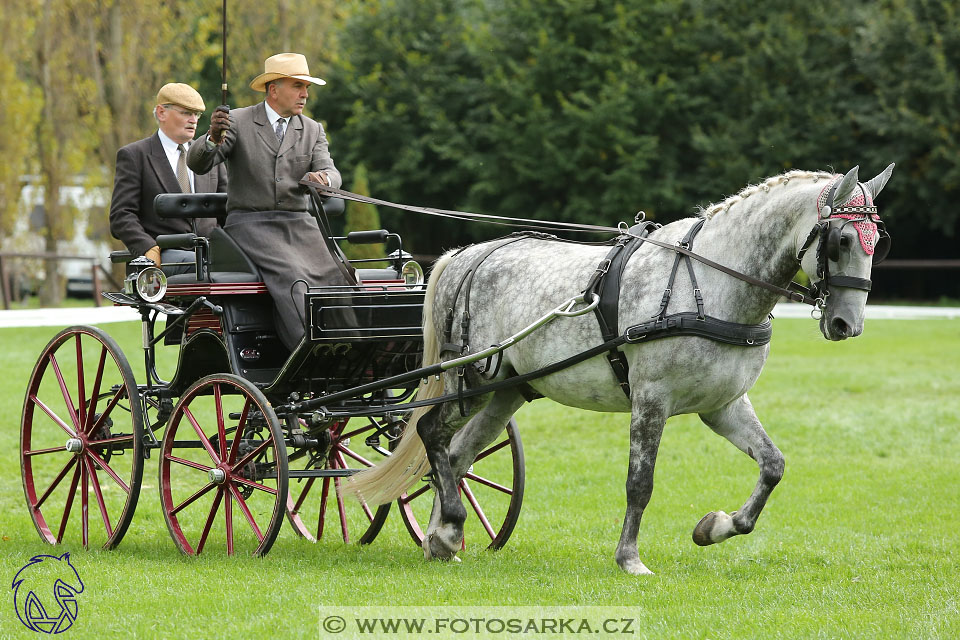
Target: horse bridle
pixel 830 240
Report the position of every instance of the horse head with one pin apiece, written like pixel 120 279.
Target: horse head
pixel 850 238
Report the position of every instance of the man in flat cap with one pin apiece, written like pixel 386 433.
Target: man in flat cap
pixel 157 164
pixel 268 149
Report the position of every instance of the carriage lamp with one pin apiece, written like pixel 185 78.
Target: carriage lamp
pixel 145 280
pixel 412 273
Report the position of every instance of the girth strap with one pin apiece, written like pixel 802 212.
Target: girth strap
pixel 605 283
pixel 691 324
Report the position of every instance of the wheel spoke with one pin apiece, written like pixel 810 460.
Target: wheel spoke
pixel 493 449
pixel 255 485
pixel 56 481
pixel 103 465
pixel 203 438
pixel 69 505
pixel 234 447
pixel 476 507
pixel 221 429
pixel 186 503
pixel 228 517
pixel 72 408
pixel 84 505
pixel 303 495
pixel 40 452
pixel 416 494
pixel 209 523
pixel 343 465
pixel 99 496
pixel 343 514
pixel 188 463
pixel 95 394
pixel 253 454
pixel 81 390
pixel 246 512
pixel 351 454
pixel 323 507
pixel 489 483
pixel 47 410
pixel 121 392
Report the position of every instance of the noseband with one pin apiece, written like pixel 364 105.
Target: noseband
pixel 830 240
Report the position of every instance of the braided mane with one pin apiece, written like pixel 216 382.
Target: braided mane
pixel 713 209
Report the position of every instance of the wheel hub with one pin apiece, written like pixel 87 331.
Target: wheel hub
pixel 74 445
pixel 217 476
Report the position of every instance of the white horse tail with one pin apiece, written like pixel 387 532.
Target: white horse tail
pixel 408 463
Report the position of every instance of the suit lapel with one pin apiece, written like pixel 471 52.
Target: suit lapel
pixel 266 134
pixel 292 136
pixel 161 166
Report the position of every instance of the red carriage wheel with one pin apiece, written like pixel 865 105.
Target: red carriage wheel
pixel 318 505
pixel 81 432
pixel 223 468
pixel 492 491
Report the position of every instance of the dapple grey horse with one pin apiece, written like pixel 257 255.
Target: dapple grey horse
pixel 760 232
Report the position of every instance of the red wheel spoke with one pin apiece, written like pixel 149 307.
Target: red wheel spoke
pixel 323 507
pixel 99 496
pixel 355 432
pixel 72 408
pixel 56 481
pixel 113 440
pixel 47 410
pixel 103 465
pixel 489 483
pixel 341 511
pixel 246 512
pixel 188 463
pixel 81 390
pixel 209 523
pixel 186 503
pixel 253 454
pixel 221 429
pixel 240 428
pixel 303 495
pixel 255 485
pixel 40 452
pixel 84 505
pixel 92 409
pixel 203 439
pixel 69 505
pixel 416 494
pixel 476 507
pixel 121 392
pixel 355 456
pixel 228 517
pixel 493 449
pixel 343 465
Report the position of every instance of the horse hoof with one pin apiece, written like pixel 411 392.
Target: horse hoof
pixel 714 527
pixel 636 568
pixel 435 547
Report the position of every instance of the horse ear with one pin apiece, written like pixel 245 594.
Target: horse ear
pixel 875 185
pixel 846 187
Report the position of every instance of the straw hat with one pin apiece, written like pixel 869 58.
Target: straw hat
pixel 182 95
pixel 284 65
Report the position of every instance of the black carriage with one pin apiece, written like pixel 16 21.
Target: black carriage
pixel 242 433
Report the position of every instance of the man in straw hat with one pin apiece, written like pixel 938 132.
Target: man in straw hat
pixel 158 165
pixel 268 148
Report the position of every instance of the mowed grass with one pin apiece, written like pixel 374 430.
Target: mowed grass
pixel 861 538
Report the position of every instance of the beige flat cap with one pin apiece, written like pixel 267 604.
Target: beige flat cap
pixel 284 65
pixel 182 95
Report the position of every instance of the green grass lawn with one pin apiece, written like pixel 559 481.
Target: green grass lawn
pixel 860 539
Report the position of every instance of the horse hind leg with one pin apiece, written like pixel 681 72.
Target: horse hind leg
pixel 738 423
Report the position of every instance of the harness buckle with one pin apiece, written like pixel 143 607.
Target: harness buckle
pixel 603 267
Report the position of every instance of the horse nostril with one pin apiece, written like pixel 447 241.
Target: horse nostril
pixel 840 327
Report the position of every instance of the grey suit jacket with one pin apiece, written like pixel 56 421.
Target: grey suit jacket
pixel 142 172
pixel 264 174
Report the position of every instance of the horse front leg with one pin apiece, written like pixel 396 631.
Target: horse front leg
pixel 646 428
pixel 445 531
pixel 738 423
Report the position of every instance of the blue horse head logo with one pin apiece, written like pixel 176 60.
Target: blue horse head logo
pixel 32 587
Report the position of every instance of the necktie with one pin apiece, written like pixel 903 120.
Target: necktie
pixel 280 130
pixel 182 176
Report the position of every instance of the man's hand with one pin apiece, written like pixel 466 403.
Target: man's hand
pixel 154 254
pixel 219 123
pixel 318 176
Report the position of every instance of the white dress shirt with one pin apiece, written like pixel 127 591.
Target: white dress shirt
pixel 173 156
